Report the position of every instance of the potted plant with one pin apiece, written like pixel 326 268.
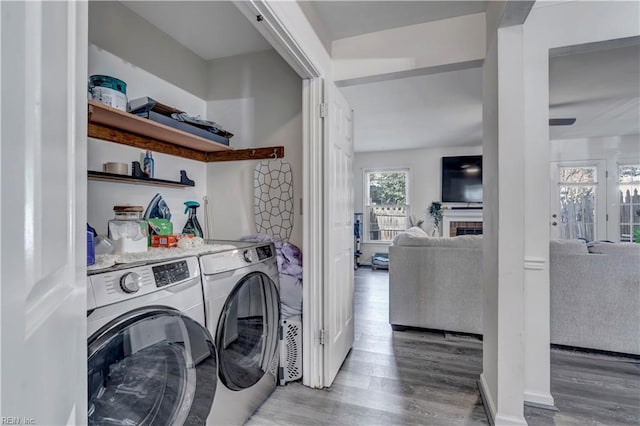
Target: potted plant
pixel 435 211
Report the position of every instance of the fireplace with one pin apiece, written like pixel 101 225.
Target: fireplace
pixel 468 220
pixel 465 228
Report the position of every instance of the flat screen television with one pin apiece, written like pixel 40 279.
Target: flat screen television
pixel 462 179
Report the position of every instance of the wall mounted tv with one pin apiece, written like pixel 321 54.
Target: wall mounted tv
pixel 462 179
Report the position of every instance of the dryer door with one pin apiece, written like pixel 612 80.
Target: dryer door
pixel 247 336
pixel 151 366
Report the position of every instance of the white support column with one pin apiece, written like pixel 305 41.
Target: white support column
pixel 536 306
pixel 549 27
pixel 510 376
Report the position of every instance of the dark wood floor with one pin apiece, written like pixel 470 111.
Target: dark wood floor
pixel 424 378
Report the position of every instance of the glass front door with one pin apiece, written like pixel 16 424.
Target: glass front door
pixel 247 335
pixel 579 201
pixel 151 366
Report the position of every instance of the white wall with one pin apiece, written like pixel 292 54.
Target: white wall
pixel 143 83
pixel 431 44
pixel 258 97
pixel 102 196
pixel 115 28
pixel 613 149
pixel 316 23
pixel 424 181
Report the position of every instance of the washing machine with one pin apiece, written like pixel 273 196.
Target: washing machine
pixel 242 306
pixel 151 359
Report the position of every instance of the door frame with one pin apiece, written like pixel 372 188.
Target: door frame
pixel 303 51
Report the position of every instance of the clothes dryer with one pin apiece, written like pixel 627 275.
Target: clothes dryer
pixel 242 306
pixel 150 358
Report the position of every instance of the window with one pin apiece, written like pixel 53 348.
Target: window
pixel 386 203
pixel 628 189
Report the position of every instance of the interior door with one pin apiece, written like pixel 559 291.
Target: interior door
pixel 43 209
pixel 338 283
pixel 578 200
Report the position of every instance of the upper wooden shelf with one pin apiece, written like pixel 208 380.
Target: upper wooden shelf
pixel 118 126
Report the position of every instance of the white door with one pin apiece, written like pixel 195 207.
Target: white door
pixel 578 200
pixel 338 283
pixel 43 198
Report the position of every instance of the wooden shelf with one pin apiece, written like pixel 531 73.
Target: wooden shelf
pixel 112 177
pixel 247 154
pixel 118 126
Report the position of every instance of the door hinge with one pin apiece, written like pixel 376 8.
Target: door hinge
pixel 606 173
pixel 322 333
pixel 324 109
pixel 607 217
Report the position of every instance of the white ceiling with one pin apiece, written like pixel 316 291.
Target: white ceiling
pixel 417 112
pixel 349 18
pixel 211 29
pixel 600 89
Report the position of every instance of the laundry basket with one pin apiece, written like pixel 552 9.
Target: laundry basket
pixel 290 350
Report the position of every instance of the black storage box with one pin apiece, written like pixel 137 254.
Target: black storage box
pixel 185 127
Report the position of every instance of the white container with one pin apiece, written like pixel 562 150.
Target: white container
pixel 128 231
pixel 129 245
pixel 110 97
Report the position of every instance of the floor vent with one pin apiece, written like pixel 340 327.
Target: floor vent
pixel 290 350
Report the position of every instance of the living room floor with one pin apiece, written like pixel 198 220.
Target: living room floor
pixel 429 378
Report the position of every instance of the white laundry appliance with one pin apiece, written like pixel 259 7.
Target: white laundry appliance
pixel 242 305
pixel 150 358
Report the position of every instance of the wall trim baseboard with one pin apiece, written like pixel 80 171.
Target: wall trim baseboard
pixel 540 400
pixel 487 400
pixel 502 420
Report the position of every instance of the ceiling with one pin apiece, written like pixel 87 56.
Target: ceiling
pixel 211 29
pixel 349 18
pixel 418 112
pixel 600 89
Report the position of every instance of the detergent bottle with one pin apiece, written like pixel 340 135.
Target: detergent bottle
pixel 192 226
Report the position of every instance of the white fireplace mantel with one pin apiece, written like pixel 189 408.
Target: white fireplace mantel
pixel 459 215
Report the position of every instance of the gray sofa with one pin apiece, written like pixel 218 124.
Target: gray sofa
pixel 436 283
pixel 595 295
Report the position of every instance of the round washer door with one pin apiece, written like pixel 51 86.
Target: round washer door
pixel 247 334
pixel 151 366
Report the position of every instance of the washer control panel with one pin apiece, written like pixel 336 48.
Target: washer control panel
pixel 130 282
pixel 170 273
pixel 214 263
pixel 264 252
pixel 116 286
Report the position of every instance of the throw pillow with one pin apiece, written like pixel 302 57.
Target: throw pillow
pixel 567 246
pixel 411 233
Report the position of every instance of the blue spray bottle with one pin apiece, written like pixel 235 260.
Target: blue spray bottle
pixel 147 165
pixel 192 226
